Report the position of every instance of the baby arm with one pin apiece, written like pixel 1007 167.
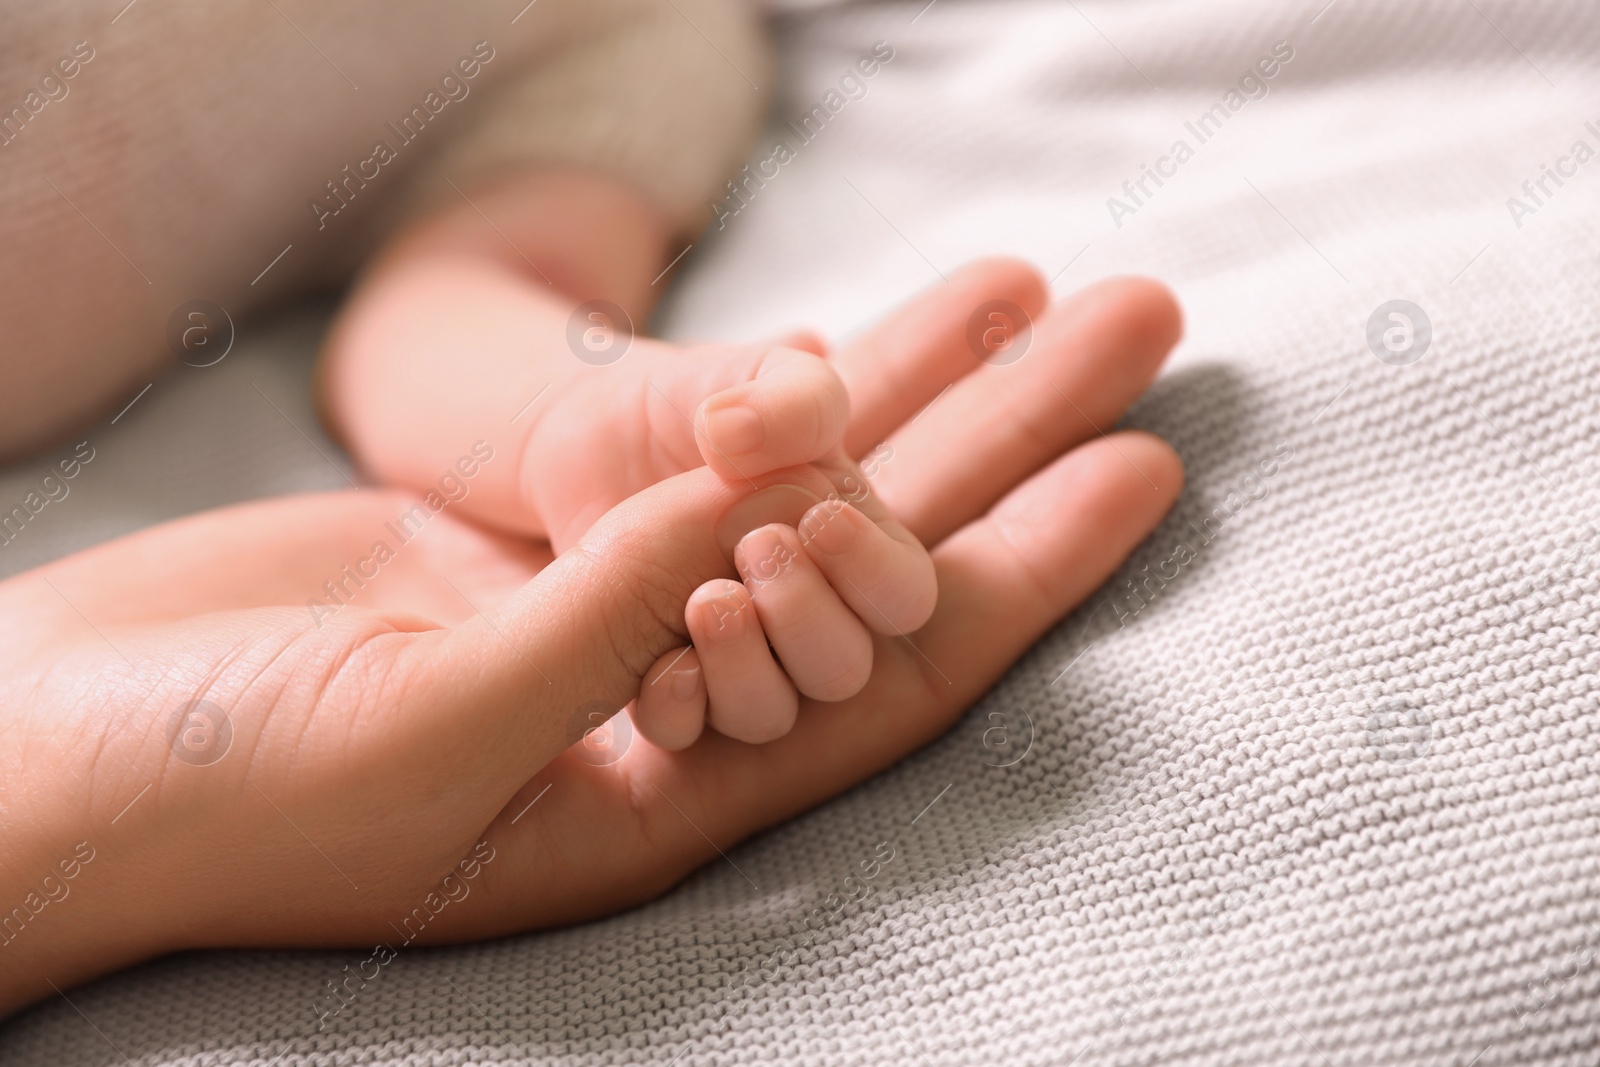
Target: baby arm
pixel 542 229
pixel 426 359
pixel 506 315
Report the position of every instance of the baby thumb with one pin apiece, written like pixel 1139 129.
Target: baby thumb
pixel 510 690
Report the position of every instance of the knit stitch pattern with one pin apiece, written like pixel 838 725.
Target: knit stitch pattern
pixel 1315 778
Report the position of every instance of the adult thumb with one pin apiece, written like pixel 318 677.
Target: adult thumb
pixel 503 694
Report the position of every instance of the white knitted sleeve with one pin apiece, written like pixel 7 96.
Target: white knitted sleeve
pixel 666 95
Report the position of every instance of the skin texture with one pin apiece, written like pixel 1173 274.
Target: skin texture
pixel 432 724
pixel 496 291
pixel 459 332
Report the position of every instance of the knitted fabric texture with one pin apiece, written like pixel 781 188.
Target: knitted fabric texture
pixel 1315 779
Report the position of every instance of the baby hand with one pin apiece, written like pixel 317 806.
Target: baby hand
pixel 822 570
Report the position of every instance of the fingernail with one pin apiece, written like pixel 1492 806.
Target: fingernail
pixel 760 555
pixel 728 614
pixel 828 528
pixel 685 682
pixel 734 429
pixel 784 503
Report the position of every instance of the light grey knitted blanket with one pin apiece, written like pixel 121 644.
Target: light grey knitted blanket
pixel 1316 778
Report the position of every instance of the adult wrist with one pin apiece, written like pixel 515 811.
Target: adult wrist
pixel 67 912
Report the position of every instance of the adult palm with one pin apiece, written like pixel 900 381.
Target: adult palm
pixel 427 729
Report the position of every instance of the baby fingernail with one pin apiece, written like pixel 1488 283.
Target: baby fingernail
pixel 828 528
pixel 724 615
pixel 761 555
pixel 685 682
pixel 735 429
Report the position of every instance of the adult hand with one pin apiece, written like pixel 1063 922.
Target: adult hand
pixel 421 741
